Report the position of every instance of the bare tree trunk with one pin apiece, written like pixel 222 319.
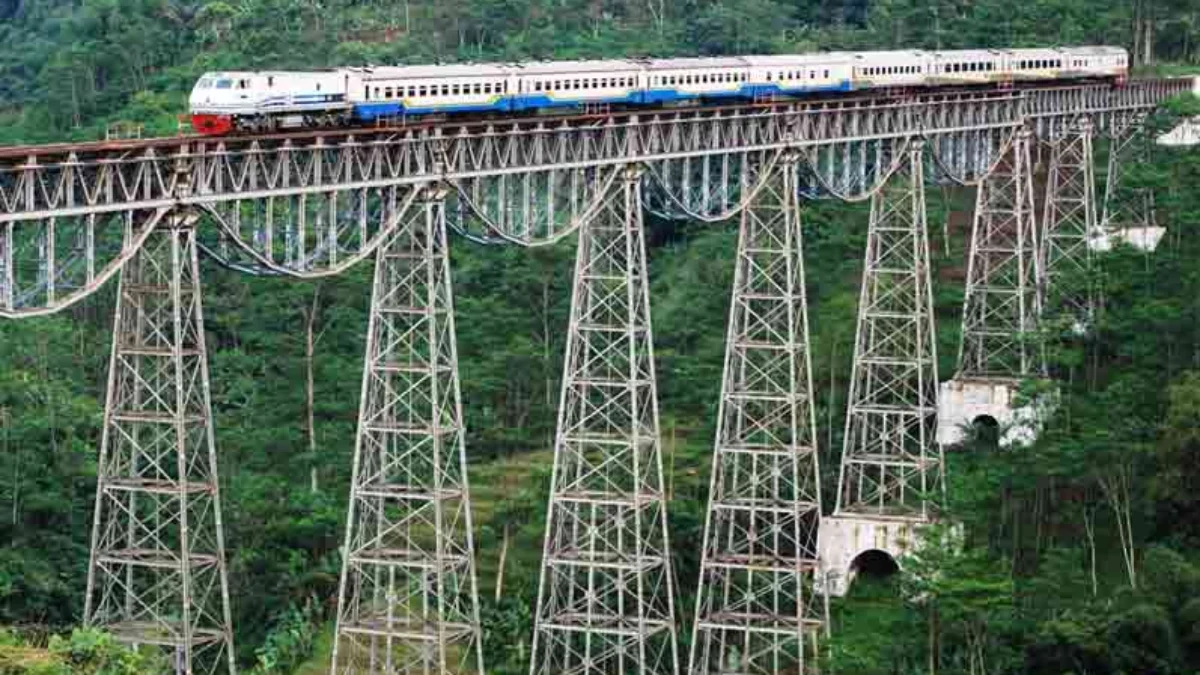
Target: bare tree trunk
pixel 933 627
pixel 949 209
pixel 5 421
pixel 503 560
pixel 1089 528
pixel 1117 490
pixel 310 344
pixel 546 354
pixel 671 465
pixel 1148 40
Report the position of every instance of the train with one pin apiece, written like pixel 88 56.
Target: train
pixel 233 102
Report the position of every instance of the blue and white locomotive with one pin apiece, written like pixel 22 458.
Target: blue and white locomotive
pixel 264 101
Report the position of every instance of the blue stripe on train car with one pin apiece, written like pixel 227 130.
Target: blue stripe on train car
pixel 523 102
pixel 543 101
pixel 372 111
pixel 652 96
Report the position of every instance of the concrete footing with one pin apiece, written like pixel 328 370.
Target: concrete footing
pixel 849 541
pixel 964 403
pixel 1141 238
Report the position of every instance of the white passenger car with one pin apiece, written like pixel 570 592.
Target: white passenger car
pixel 398 91
pixel 891 69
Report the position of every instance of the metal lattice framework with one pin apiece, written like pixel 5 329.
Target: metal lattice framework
pixel 1069 225
pixel 1001 305
pixel 756 611
pixel 891 462
pixel 606 598
pixel 157 571
pixel 1126 207
pixel 311 204
pixel 408 602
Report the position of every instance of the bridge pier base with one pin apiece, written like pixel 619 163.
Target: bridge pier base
pixel 851 544
pixel 982 404
pixel 1145 238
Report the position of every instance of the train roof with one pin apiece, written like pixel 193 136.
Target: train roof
pixel 695 62
pixel 594 66
pixel 1094 50
pixel 967 54
pixel 822 58
pixel 444 70
pixel 890 53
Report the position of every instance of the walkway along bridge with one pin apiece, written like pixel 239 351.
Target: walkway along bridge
pixel 312 204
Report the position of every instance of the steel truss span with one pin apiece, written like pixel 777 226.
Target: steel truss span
pixel 313 204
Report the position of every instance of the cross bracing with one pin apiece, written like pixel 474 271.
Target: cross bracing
pixel 1069 226
pixel 606 602
pixel 1002 302
pixel 891 462
pixel 756 610
pixel 157 569
pixel 408 603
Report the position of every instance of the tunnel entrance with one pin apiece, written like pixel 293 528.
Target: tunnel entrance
pixel 986 432
pixel 875 564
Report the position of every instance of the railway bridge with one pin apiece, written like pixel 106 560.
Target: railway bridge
pixel 312 204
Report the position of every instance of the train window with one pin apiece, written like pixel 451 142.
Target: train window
pixel 387 92
pixel 224 84
pixel 367 93
pixel 826 74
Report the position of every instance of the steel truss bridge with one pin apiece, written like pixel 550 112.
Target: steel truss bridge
pixel 312 204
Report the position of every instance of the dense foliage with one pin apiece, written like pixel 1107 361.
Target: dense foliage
pixel 1079 555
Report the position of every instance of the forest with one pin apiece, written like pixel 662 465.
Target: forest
pixel 1080 553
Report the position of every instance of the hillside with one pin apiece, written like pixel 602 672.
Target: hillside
pixel 1043 586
